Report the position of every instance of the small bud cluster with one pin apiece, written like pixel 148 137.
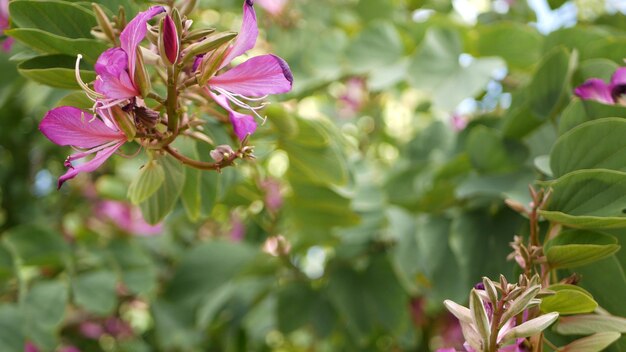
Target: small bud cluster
pixel 501 316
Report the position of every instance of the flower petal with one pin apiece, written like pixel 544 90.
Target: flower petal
pixel 619 77
pixel 67 125
pixel 91 165
pixel 112 61
pixel 115 87
pixel 134 33
pixel 595 89
pixel 246 39
pixel 259 76
pixel 243 125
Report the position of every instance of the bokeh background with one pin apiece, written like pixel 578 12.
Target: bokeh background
pixel 378 189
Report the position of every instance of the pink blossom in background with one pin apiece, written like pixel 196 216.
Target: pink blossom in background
pixel 276 245
pixel 91 329
pixel 353 98
pixel 606 93
pixel 30 347
pixel 459 122
pixel 273 198
pixel 238 228
pixel 127 217
pixel 273 7
pixel 69 349
pixel 4 24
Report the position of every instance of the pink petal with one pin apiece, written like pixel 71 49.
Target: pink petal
pixel 116 87
pixel 259 76
pixel 112 61
pixel 67 125
pixel 274 7
pixel 619 77
pixel 134 33
pixel 243 125
pixel 91 165
pixel 595 89
pixel 246 39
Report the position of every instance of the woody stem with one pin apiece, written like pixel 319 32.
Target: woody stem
pixel 201 164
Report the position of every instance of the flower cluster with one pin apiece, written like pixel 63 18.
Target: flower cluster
pixel 4 24
pixel 194 66
pixel 501 315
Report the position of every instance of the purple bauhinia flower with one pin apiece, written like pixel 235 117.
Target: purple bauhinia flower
pixel 4 24
pixel 67 125
pixel 251 80
pixel 127 217
pixel 116 67
pixel 607 93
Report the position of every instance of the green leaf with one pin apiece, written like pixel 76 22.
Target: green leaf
pixel 496 39
pixel 36 245
pixel 544 96
pixel 62 18
pixel 569 299
pixel 207 267
pixel 6 264
pixel 435 68
pixel 580 111
pixel 136 268
pixel 579 247
pixel 78 99
pixel 589 199
pixel 295 306
pixel 96 291
pixel 597 144
pixel 191 195
pixel 43 310
pixel 11 336
pixel 502 156
pixel 161 203
pixel 49 43
pixel 55 71
pixel 149 180
pixel 590 324
pixel 593 343
pixel 377 45
pixel 368 301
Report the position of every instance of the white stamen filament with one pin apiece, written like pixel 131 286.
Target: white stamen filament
pixel 83 153
pixel 236 101
pixel 91 94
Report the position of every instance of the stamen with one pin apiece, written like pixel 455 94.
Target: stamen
pixel 84 153
pixel 241 104
pixel 91 94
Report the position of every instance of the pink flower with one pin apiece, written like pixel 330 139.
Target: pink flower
pixel 116 67
pixel 67 125
pixel 273 197
pixel 4 24
pixel 596 89
pixel 127 217
pixel 274 7
pixel 30 347
pixel 252 80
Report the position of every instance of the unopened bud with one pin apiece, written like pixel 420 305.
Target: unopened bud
pixel 221 152
pixel 124 122
pixel 169 43
pixel 187 6
pixel 210 64
pixel 198 34
pixel 211 42
pixel 103 22
pixel 142 79
pixel 515 205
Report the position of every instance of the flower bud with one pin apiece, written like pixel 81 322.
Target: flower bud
pixel 221 152
pixel 169 43
pixel 142 78
pixel 124 122
pixel 210 64
pixel 211 42
pixel 104 23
